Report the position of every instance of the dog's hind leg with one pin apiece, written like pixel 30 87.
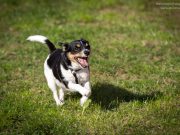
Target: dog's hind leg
pixel 52 86
pixel 61 96
pixel 51 83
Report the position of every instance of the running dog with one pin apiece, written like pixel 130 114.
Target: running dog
pixel 67 69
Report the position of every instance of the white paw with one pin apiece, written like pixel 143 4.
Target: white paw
pixel 83 100
pixel 85 92
pixel 59 103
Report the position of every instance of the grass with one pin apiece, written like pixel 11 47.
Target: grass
pixel 134 67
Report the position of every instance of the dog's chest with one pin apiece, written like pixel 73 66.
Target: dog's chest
pixel 82 75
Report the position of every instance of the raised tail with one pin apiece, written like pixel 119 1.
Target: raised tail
pixel 42 39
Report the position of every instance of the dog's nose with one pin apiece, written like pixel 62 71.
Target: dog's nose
pixel 87 52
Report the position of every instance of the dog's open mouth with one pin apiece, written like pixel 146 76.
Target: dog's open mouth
pixel 83 61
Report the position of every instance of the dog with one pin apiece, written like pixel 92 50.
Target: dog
pixel 67 69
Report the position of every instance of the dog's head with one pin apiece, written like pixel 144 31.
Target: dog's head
pixel 78 52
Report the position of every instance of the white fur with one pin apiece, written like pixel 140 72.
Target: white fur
pixel 37 38
pixel 67 74
pixel 53 83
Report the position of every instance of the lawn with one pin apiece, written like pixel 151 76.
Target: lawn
pixel 135 67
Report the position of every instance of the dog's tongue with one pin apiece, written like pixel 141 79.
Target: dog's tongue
pixel 83 62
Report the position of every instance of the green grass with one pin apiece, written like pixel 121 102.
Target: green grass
pixel 134 67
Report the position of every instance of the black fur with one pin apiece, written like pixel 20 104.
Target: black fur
pixel 57 58
pixel 75 76
pixel 50 45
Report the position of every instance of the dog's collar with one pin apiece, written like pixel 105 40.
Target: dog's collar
pixel 74 74
pixel 74 71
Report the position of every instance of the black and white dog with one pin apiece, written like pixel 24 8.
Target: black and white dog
pixel 67 68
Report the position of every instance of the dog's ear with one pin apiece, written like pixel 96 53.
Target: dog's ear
pixel 84 40
pixel 65 46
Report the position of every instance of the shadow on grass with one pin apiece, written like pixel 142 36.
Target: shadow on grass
pixel 110 96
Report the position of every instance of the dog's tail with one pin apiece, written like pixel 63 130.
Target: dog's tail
pixel 42 39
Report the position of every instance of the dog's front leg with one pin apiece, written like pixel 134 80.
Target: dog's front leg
pixel 77 87
pixel 85 97
pixel 84 91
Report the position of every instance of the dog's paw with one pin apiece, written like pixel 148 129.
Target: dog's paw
pixel 83 100
pixel 85 92
pixel 60 103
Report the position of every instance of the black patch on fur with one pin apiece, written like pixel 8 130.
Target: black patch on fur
pixel 75 76
pixel 57 58
pixel 50 45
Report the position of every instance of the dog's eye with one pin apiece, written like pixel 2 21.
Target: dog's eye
pixel 78 46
